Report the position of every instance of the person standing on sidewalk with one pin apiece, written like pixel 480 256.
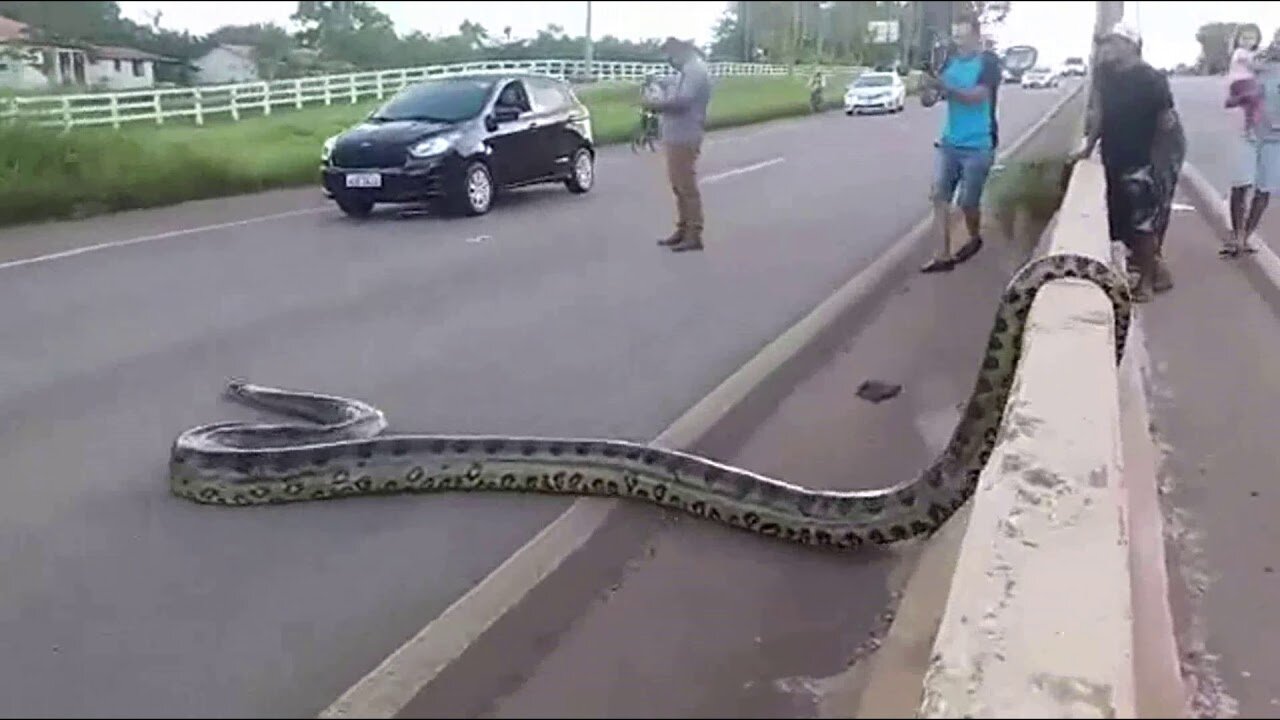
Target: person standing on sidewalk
pixel 969 81
pixel 1259 165
pixel 682 120
pixel 1134 117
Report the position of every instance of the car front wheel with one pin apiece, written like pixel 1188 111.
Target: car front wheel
pixel 583 173
pixel 473 195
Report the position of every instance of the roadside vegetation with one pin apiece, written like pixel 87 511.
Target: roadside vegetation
pixel 47 174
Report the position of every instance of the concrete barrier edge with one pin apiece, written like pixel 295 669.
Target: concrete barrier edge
pixel 1039 618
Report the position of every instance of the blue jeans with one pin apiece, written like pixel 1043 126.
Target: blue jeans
pixel 966 168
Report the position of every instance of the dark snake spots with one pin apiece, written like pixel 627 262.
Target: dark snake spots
pixel 364 483
pixel 898 532
pixel 528 449
pixel 750 520
pixel 920 528
pixel 390 486
pixel 509 481
pixel 699 508
pixel 493 446
pixel 294 488
pixel 341 476
pixel 259 491
pixel 415 475
pixel 770 529
pixel 877 537
pixel 659 492
pixel 400 448
pixel 990 363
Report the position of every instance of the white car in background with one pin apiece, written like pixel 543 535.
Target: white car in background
pixel 1040 77
pixel 876 91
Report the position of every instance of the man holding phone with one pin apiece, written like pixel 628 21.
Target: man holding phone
pixel 969 81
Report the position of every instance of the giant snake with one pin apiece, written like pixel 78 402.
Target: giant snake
pixel 341 452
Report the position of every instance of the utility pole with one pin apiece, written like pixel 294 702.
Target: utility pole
pixel 589 51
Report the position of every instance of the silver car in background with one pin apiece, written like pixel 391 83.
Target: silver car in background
pixel 876 91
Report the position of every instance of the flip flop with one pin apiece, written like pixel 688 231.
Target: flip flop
pixel 936 266
pixel 1229 251
pixel 970 249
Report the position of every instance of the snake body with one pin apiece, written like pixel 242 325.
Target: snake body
pixel 342 452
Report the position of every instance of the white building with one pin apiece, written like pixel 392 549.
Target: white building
pixel 227 64
pixel 29 65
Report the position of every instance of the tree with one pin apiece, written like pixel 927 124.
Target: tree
pixel 1215 46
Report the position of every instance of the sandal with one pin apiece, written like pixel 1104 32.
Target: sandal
pixel 1229 250
pixel 939 265
pixel 970 249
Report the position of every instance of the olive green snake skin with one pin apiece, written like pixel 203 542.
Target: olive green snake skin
pixel 342 452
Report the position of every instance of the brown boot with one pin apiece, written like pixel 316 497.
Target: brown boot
pixel 675 239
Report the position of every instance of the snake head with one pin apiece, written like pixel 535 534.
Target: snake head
pixel 236 386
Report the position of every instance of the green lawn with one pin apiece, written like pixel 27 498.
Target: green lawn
pixel 45 174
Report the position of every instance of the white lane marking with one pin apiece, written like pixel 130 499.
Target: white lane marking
pixel 159 236
pixel 712 179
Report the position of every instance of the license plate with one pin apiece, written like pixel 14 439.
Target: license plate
pixel 364 180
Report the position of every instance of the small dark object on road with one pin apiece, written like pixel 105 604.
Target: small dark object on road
pixel 876 391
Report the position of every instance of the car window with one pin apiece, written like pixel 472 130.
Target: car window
pixel 514 96
pixel 547 94
pixel 441 100
pixel 874 81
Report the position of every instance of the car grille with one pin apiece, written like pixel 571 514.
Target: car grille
pixel 351 155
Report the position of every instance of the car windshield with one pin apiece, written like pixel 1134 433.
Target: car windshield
pixel 873 81
pixel 438 100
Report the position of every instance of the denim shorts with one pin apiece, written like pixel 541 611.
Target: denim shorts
pixel 1257 164
pixel 966 168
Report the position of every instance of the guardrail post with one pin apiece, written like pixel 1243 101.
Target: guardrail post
pixel 328 91
pixel 115 112
pixel 159 108
pixel 66 114
pixel 297 93
pixel 354 89
pixel 266 99
pixel 196 96
pixel 379 80
pixel 235 109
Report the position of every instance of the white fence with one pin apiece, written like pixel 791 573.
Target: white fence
pixel 259 98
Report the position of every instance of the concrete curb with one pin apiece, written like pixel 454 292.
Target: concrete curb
pixel 719 418
pixel 1019 637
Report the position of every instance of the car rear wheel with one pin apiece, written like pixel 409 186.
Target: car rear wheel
pixel 473 194
pixel 583 173
pixel 356 207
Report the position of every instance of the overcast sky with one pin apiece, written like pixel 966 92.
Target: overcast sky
pixel 1057 29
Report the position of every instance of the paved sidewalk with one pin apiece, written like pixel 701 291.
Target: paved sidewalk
pixel 1212 380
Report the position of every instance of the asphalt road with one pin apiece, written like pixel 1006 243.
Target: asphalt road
pixel 1211 129
pixel 555 315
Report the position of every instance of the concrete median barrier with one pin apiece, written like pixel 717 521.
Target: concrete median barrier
pixel 1039 620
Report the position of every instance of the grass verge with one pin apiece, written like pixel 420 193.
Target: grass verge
pixel 46 174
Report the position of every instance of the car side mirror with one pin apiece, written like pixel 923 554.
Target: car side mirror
pixel 503 114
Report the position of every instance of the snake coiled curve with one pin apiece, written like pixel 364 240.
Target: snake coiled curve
pixel 342 453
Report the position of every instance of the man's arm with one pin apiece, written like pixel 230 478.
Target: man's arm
pixel 683 96
pixel 1166 119
pixel 979 93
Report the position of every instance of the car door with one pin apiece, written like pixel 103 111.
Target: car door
pixel 552 114
pixel 513 142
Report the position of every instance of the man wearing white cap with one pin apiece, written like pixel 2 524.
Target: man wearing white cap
pixel 1135 119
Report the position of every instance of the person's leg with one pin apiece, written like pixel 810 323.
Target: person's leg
pixel 691 211
pixel 1268 181
pixel 674 155
pixel 1144 206
pixel 946 176
pixel 976 165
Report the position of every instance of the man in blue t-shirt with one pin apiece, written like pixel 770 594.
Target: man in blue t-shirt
pixel 969 81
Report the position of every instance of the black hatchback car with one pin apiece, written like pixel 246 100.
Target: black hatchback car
pixel 454 141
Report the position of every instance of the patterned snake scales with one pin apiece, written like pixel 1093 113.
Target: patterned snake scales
pixel 343 453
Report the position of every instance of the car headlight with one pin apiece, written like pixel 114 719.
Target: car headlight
pixel 326 150
pixel 431 146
